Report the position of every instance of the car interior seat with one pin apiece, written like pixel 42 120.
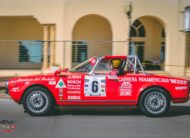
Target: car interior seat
pixel 121 69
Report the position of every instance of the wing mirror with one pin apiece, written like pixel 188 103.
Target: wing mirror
pixel 61 72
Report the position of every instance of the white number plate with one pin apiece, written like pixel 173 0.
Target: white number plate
pixel 95 86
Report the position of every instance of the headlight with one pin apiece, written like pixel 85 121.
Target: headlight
pixel 6 84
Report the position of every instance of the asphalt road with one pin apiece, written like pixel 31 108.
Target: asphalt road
pixel 94 122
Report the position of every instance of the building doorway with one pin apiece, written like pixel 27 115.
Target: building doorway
pixel 148 42
pixel 92 36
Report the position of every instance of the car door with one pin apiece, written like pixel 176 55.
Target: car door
pixel 121 87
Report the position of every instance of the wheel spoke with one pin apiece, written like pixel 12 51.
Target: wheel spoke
pixel 155 102
pixel 37 101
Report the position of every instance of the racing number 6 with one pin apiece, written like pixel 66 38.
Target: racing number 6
pixel 95 86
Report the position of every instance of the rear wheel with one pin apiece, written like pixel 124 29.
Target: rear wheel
pixel 154 102
pixel 37 101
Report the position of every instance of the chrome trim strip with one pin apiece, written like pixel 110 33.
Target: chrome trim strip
pixel 96 101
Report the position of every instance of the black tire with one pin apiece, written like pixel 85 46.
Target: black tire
pixel 154 102
pixel 37 101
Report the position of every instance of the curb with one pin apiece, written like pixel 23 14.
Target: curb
pixel 3 95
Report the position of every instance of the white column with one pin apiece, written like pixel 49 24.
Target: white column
pixel 45 46
pixel 52 45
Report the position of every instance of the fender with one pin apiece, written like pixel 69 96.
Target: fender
pixel 149 85
pixel 42 85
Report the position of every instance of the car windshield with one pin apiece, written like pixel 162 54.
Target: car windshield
pixel 86 66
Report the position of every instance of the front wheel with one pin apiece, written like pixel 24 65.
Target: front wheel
pixel 154 102
pixel 37 101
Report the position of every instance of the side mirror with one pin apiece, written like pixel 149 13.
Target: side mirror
pixel 57 72
pixel 61 72
pixel 64 70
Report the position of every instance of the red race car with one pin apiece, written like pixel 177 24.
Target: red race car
pixel 107 80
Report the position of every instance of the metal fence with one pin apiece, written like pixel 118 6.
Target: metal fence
pixel 36 54
pixel 30 54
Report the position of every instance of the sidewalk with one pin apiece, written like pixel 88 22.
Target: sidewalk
pixel 3 95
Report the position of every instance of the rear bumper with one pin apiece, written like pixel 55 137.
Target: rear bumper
pixel 181 100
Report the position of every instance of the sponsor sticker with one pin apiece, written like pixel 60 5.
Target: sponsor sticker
pixel 60 84
pixel 181 88
pixel 15 89
pixel 125 89
pixel 74 83
pixel 86 80
pixel 52 82
pixel 96 86
pixel 60 92
pixel 73 92
pixel 112 77
pixel 73 98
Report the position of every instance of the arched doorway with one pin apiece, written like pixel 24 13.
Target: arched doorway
pixel 148 42
pixel 92 36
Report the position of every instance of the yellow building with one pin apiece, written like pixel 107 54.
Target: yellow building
pixel 36 35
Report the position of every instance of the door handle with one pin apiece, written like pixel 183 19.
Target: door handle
pixel 116 80
pixel 113 78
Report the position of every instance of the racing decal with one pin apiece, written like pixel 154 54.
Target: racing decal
pixel 73 92
pixel 74 83
pixel 95 86
pixel 74 87
pixel 176 81
pixel 74 97
pixel 112 77
pixel 35 79
pixel 52 82
pixel 125 89
pixel 181 88
pixel 162 80
pixel 152 79
pixel 60 84
pixel 60 92
pixel 129 79
pixel 74 77
pixel 15 89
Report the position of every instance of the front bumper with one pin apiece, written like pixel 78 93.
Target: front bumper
pixel 6 91
pixel 6 88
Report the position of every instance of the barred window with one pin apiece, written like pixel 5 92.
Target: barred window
pixel 30 51
pixel 79 51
